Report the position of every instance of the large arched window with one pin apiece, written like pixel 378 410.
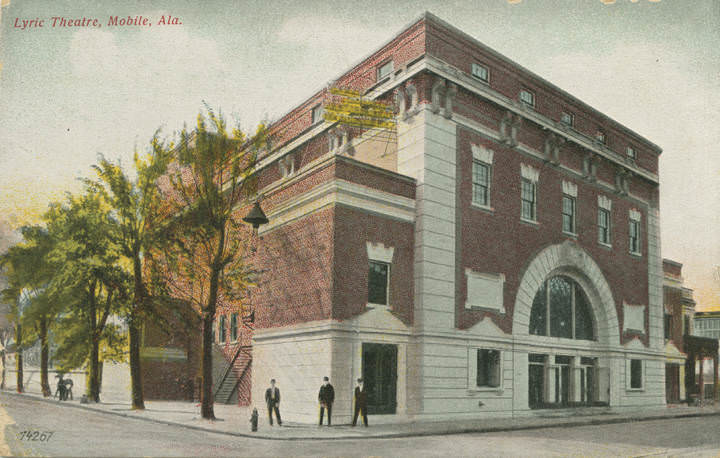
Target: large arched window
pixel 561 309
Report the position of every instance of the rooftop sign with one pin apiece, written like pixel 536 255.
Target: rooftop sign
pixel 356 111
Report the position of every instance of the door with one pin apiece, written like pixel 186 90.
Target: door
pixel 672 383
pixel 536 385
pixel 379 369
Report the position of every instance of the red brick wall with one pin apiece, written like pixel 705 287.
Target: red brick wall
pixel 500 242
pixel 353 228
pixel 404 48
pixel 508 79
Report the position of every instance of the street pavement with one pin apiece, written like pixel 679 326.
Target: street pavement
pixel 83 432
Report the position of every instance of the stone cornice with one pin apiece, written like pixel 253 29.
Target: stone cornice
pixel 459 77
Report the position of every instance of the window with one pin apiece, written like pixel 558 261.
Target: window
pixel 634 237
pixel 527 97
pixel 488 368
pixel 317 114
pixel 631 152
pixel 668 326
pixel 384 70
pixel 686 325
pixel 567 118
pixel 480 72
pixel 603 226
pixel 636 374
pixel 481 183
pixel 528 198
pixel 233 327
pixel 568 214
pixel 601 137
pixel 221 328
pixel 378 283
pixel 561 309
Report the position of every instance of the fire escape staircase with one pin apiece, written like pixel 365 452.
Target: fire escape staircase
pixel 233 375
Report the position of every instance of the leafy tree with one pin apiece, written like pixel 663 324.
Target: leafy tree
pixel 212 175
pixel 34 312
pixel 6 328
pixel 12 295
pixel 135 204
pixel 88 279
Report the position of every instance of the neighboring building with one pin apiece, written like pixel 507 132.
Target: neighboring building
pixel 707 325
pixel 690 360
pixel 496 253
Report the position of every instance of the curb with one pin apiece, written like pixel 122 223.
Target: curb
pixel 444 432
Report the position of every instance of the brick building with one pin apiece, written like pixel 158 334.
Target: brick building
pixel 496 253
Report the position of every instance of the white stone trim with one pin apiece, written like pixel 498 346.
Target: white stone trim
pixel 567 255
pixel 635 215
pixel 482 154
pixel 344 193
pixel 569 188
pixel 379 252
pixel 604 202
pixel 495 135
pixel 466 81
pixel 634 318
pixel 286 164
pixel 529 172
pixel 485 290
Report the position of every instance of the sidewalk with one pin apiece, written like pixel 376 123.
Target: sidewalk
pixel 233 420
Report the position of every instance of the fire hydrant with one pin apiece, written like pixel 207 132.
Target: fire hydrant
pixel 254 420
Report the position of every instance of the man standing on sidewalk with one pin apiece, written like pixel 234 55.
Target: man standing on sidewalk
pixel 272 399
pixel 360 403
pixel 326 398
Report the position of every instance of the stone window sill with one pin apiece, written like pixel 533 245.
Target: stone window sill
pixel 530 221
pixel 485 389
pixel 486 208
pixel 377 306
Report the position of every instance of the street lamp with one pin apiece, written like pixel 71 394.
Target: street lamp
pixel 256 217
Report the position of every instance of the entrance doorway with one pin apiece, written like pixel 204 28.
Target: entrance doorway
pixel 672 383
pixel 379 372
pixel 560 381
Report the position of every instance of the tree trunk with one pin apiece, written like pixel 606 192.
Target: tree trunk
pixel 44 356
pixel 135 374
pixel 207 409
pixel 18 358
pixel 208 317
pixel 2 382
pixel 93 390
pixel 138 401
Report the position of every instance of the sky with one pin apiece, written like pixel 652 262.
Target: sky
pixel 68 94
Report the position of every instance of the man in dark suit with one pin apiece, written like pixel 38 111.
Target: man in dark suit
pixel 326 398
pixel 272 399
pixel 360 403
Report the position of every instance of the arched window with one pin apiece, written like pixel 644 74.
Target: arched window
pixel 561 309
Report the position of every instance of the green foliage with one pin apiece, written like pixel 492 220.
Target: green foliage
pixel 214 174
pixel 87 279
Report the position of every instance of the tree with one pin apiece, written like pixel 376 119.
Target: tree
pixel 30 275
pixel 6 328
pixel 88 279
pixel 213 174
pixel 135 205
